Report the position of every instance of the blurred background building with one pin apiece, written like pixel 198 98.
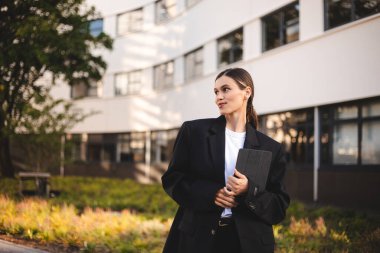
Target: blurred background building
pixel 316 68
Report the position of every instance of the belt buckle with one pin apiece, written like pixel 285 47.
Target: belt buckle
pixel 222 224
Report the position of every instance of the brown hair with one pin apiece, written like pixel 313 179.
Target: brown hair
pixel 243 80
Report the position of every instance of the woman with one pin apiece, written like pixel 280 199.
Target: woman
pixel 220 209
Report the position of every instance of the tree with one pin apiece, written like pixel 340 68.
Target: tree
pixel 39 133
pixel 36 38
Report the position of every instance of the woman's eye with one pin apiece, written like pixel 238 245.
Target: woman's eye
pixel 226 89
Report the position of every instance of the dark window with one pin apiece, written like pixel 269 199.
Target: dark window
pixel 80 90
pixel 101 147
pixel 281 27
pixel 339 12
pixel 295 130
pixel 74 148
pixel 162 143
pixel 96 27
pixel 348 133
pixel 230 48
pixel 94 148
pixel 131 147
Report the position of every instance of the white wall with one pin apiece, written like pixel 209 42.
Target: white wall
pixel 321 68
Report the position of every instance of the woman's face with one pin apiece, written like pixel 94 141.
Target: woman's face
pixel 229 97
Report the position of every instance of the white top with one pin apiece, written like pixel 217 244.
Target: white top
pixel 234 142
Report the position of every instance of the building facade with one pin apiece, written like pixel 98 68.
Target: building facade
pixel 315 65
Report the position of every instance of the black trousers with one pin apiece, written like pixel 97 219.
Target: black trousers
pixel 226 237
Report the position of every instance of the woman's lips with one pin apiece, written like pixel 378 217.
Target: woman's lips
pixel 221 105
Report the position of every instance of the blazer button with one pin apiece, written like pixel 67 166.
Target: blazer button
pixel 213 231
pixel 251 205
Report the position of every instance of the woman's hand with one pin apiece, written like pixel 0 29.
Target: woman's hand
pixel 238 183
pixel 225 198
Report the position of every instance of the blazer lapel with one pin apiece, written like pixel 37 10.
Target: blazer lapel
pixel 251 140
pixel 216 142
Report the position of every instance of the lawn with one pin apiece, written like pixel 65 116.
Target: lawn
pixel 113 215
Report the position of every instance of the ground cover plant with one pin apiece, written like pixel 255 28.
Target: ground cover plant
pixel 113 215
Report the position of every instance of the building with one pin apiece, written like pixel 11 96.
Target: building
pixel 315 65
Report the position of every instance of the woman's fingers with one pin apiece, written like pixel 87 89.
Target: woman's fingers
pixel 224 204
pixel 239 175
pixel 224 199
pixel 237 185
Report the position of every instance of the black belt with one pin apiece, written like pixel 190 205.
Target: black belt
pixel 225 221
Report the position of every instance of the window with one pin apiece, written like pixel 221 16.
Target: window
pixel 230 48
pixel 339 12
pixel 131 147
pixel 190 3
pixel 165 9
pixel 163 75
pixel 96 27
pixel 80 90
pixel 75 150
pixel 127 83
pixel 281 27
pixel 348 133
pixel 101 148
pixel 194 64
pixel 131 21
pixel 295 130
pixel 162 143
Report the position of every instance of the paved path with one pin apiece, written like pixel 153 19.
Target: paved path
pixel 8 247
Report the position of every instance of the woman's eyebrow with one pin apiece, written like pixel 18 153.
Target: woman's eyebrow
pixel 223 86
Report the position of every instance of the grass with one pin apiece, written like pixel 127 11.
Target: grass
pixel 114 194
pixel 93 230
pixel 113 215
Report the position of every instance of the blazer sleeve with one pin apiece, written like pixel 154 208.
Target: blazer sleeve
pixel 181 184
pixel 270 204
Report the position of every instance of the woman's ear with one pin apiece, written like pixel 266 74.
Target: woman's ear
pixel 248 92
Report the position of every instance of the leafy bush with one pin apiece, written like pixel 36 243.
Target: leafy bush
pixel 306 228
pixel 91 231
pixel 114 194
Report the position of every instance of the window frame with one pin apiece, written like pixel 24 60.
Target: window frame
pixel 331 122
pixel 96 32
pixel 308 125
pixel 162 86
pixel 129 91
pixel 230 37
pixel 93 85
pixel 195 63
pixel 130 24
pixel 282 26
pixel 352 16
pixel 158 18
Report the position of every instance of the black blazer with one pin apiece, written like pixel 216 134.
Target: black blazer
pixel 196 173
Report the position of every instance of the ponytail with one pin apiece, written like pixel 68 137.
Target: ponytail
pixel 251 115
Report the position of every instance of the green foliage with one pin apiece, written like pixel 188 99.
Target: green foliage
pixel 115 194
pixel 42 39
pixel 37 141
pixel 90 231
pixel 307 228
